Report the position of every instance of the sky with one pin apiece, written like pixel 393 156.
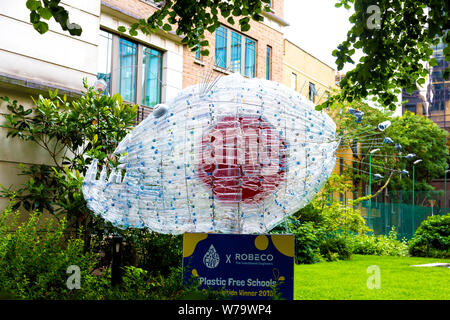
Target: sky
pixel 317 26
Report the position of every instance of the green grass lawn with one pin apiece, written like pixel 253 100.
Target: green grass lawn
pixel 347 280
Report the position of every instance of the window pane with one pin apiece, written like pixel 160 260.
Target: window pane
pixel 151 78
pixel 221 47
pixel 294 81
pixel 269 63
pixel 104 59
pixel 236 52
pixel 312 91
pixel 198 53
pixel 127 70
pixel 250 58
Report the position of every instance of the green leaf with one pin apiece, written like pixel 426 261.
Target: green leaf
pixel 245 27
pixel 41 27
pixel 121 29
pixel 33 5
pixel 45 13
pixel 446 50
pixel 74 29
pixel 34 17
pixel 53 94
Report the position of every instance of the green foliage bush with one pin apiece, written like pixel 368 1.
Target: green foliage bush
pixel 35 255
pixel 315 243
pixel 336 247
pixel 321 226
pixel 307 242
pixel 71 133
pixel 138 284
pixel 432 238
pixel 155 252
pixel 378 245
pixel 333 216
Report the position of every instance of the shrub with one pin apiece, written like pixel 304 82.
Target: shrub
pixel 71 133
pixel 336 247
pixel 158 253
pixel 381 245
pixel 307 240
pixel 35 255
pixel 432 238
pixel 338 217
pixel 313 244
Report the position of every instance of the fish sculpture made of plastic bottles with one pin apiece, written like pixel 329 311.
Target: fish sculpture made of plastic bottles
pixel 236 157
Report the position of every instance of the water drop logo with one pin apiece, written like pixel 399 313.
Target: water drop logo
pixel 211 258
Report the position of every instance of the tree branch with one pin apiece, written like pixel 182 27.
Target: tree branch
pixel 384 186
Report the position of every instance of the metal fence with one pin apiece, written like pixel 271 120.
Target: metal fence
pixel 397 209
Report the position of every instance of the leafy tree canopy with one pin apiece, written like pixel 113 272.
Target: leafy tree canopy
pixel 395 37
pixel 415 134
pixel 190 17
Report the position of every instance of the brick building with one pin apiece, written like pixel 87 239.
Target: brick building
pixel 146 69
pixel 172 66
pixel 256 53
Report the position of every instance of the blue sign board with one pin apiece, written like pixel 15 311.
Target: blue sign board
pixel 244 266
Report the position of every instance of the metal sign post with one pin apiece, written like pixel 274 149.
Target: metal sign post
pixel 116 273
pixel 432 203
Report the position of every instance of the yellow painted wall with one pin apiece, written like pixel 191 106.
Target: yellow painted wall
pixel 308 68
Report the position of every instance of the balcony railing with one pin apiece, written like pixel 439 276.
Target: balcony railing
pixel 142 113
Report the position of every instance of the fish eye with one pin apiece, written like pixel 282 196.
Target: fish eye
pixel 159 110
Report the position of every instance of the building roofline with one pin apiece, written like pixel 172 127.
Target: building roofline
pixel 37 85
pixel 310 54
pixel 168 34
pixel 276 18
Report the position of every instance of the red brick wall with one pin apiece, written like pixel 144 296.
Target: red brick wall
pixel 140 8
pixel 263 34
